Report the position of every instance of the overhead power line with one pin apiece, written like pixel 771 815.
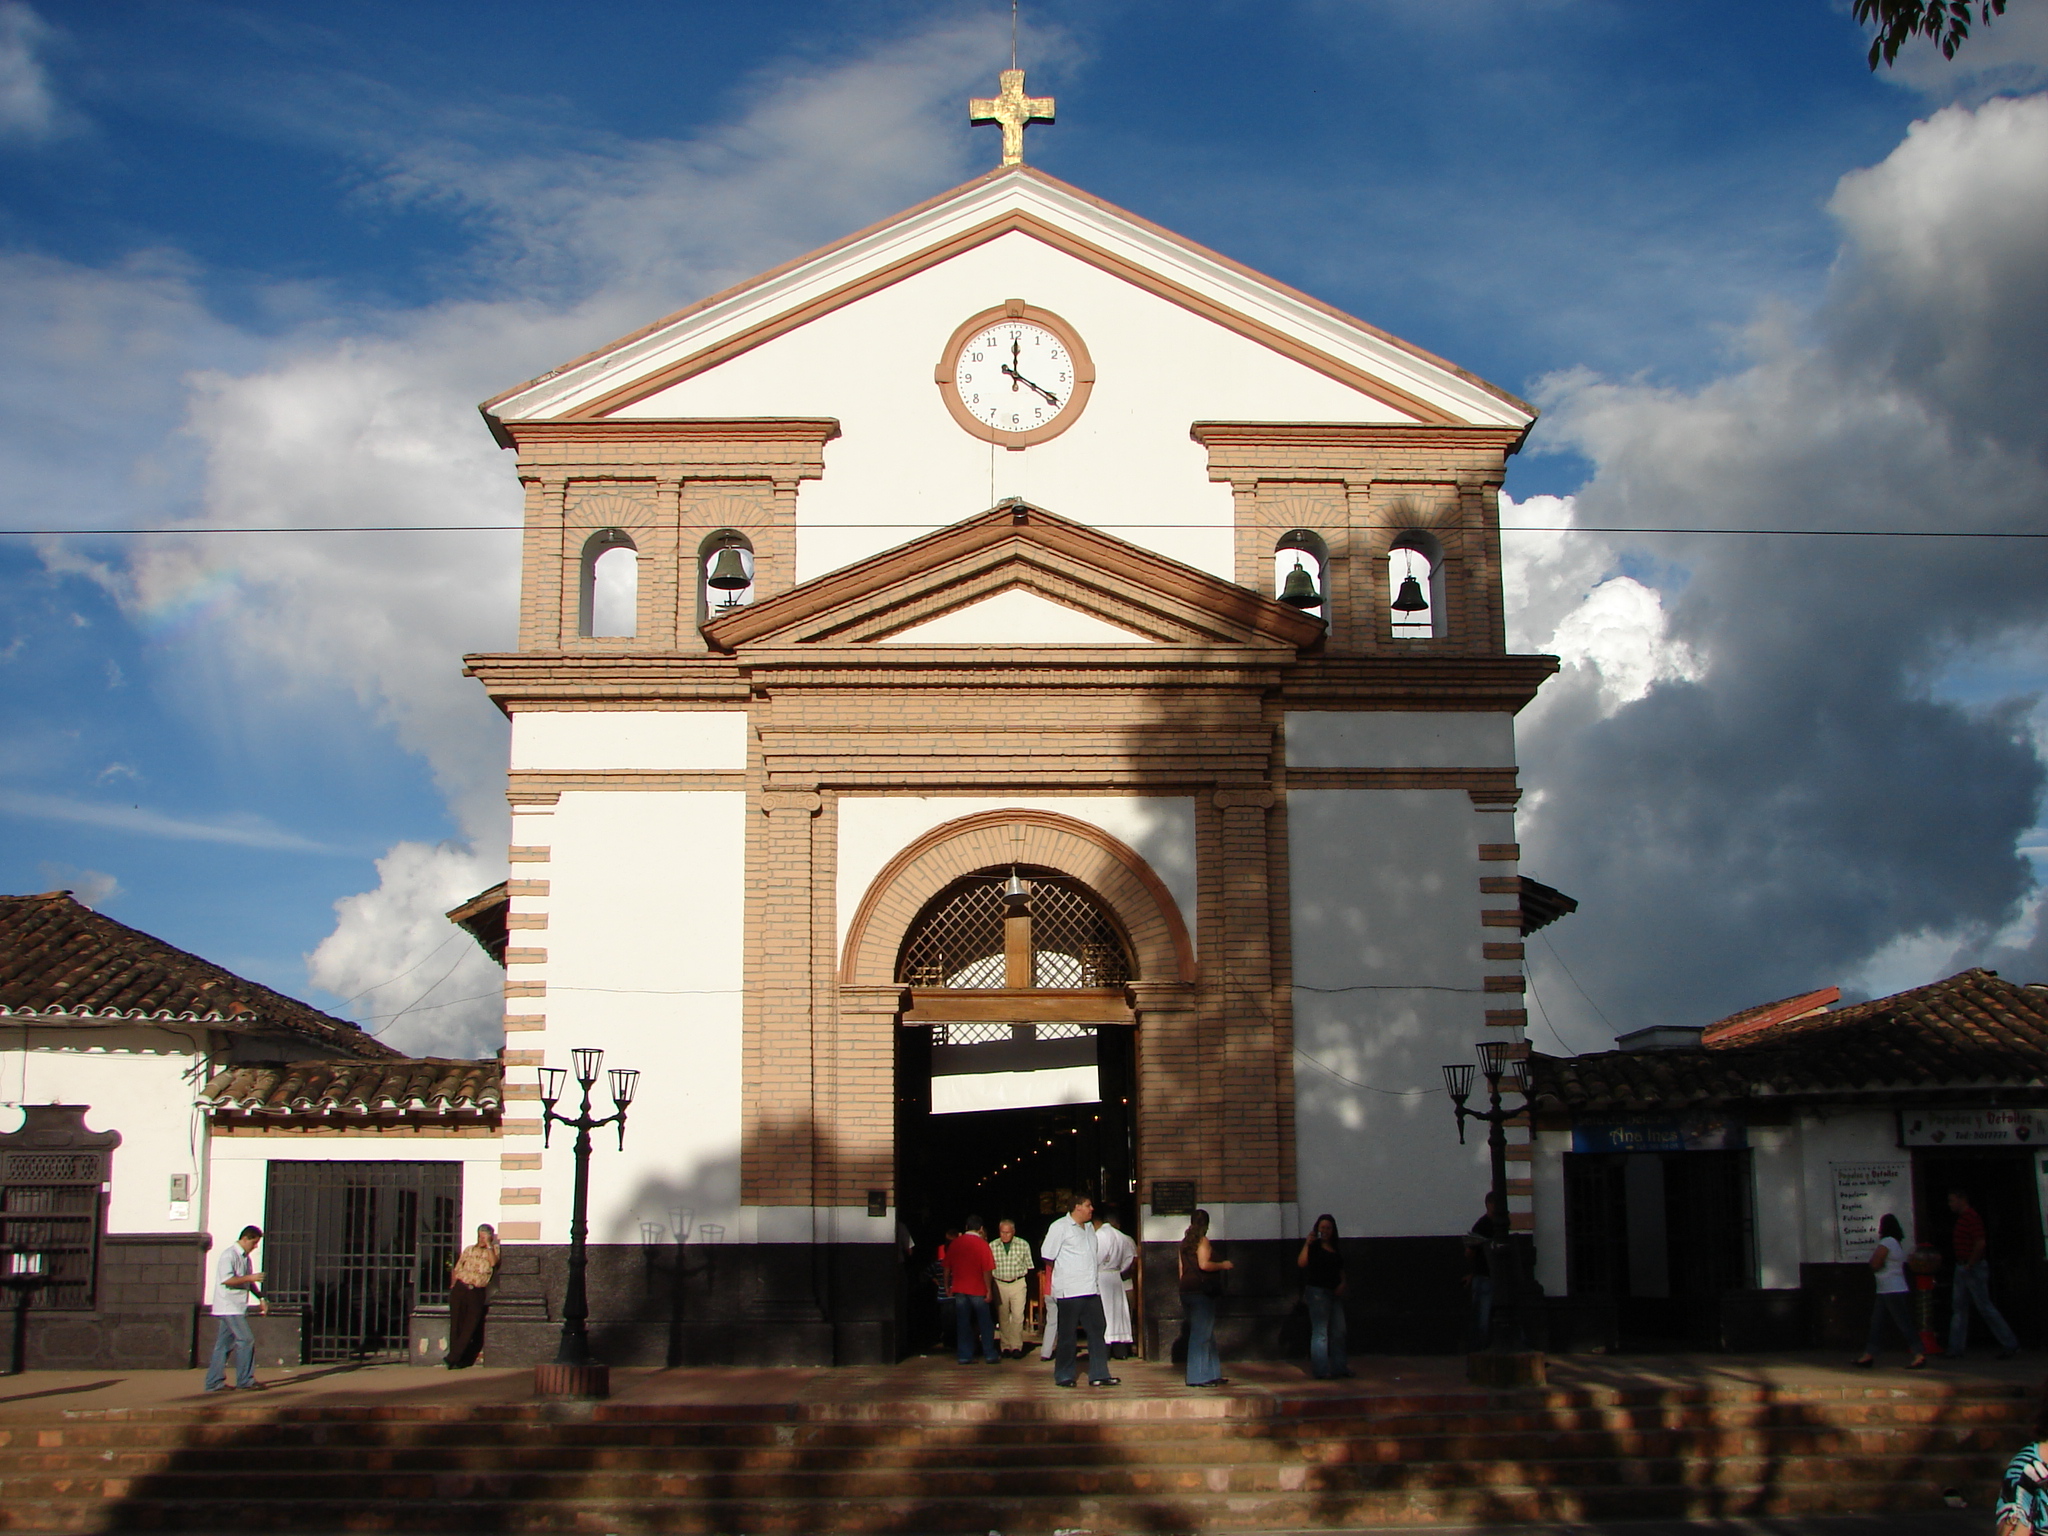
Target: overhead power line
pixel 1786 533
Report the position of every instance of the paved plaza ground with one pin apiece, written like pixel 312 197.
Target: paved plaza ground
pixel 943 1385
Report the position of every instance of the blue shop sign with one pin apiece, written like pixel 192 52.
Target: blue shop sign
pixel 1661 1133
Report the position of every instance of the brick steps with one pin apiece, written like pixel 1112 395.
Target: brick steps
pixel 1019 1465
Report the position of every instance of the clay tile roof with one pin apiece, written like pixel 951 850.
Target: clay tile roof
pixel 1972 1028
pixel 413 1086
pixel 61 963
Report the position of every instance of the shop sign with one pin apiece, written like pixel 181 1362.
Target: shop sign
pixel 1661 1133
pixel 1973 1127
pixel 1864 1193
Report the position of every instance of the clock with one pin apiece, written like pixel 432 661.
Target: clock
pixel 1015 375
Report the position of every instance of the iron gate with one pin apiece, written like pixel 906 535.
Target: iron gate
pixel 358 1246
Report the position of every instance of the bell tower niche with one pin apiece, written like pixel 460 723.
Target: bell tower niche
pixel 637 530
pixel 1370 504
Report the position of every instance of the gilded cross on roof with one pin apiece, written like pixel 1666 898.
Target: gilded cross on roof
pixel 1013 109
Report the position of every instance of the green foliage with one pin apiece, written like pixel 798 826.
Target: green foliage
pixel 1946 21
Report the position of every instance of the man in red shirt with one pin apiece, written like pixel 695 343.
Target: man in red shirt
pixel 1973 1283
pixel 969 1263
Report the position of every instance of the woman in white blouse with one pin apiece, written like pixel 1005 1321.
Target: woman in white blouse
pixel 1888 1263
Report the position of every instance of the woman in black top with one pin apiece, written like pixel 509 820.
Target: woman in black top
pixel 1322 1287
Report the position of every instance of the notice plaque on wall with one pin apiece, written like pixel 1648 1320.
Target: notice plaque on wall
pixel 1864 1192
pixel 1173 1197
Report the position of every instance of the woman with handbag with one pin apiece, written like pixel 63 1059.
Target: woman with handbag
pixel 469 1299
pixel 1888 1263
pixel 1201 1282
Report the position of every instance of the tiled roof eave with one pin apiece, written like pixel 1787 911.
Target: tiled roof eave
pixel 129 1016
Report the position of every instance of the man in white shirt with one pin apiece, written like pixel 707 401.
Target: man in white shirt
pixel 1069 1247
pixel 234 1287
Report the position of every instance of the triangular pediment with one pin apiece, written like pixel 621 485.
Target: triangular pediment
pixel 1018 200
pixel 992 573
pixel 1017 616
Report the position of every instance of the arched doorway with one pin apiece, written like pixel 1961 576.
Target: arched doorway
pixel 1016 1066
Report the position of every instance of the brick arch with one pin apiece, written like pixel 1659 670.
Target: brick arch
pixel 1111 868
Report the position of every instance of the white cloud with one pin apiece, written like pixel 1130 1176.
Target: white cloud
pixel 2008 54
pixel 407 974
pixel 356 418
pixel 244 832
pixel 94 888
pixel 27 104
pixel 1769 788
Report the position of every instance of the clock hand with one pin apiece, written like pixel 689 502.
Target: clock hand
pixel 1018 378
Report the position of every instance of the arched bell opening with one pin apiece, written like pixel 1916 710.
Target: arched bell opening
pixel 1415 587
pixel 610 598
pixel 725 573
pixel 1016 1081
pixel 1301 570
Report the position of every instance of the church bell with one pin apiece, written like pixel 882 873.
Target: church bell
pixel 1300 590
pixel 727 573
pixel 1410 599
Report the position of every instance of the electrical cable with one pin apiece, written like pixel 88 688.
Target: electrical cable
pixel 1787 533
pixel 1391 1093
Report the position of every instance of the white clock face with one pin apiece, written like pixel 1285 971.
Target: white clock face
pixel 1014 376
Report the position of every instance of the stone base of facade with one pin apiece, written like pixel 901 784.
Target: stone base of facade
pixel 147 1316
pixel 724 1304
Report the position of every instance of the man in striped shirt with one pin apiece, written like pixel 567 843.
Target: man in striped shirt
pixel 1013 1263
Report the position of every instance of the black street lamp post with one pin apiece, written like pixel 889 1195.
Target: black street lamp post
pixel 1502 1066
pixel 27 1272
pixel 573 1373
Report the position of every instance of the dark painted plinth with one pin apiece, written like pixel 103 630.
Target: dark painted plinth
pixel 147 1314
pixel 553 1380
pixel 1505 1369
pixel 724 1304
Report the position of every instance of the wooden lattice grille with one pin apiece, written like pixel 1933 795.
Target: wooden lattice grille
pixel 957 941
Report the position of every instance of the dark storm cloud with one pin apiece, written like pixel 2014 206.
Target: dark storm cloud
pixel 1819 790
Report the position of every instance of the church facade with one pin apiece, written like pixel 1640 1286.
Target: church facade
pixel 918 777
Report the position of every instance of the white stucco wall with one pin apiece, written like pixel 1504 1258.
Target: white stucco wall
pixel 139 1082
pixel 645 953
pixel 1778 1185
pixel 1847 1136
pixel 1387 973
pixel 1395 739
pixel 595 740
pixel 873 829
pixel 1127 460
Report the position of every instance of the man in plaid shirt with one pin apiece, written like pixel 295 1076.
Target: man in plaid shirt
pixel 1013 1263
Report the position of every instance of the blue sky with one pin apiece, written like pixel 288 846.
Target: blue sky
pixel 259 262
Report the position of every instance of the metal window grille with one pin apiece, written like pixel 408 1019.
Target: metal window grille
pixel 977 1033
pixel 358 1246
pixel 957 941
pixel 50 1202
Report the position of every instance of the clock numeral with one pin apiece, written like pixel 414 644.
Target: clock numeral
pixel 974 358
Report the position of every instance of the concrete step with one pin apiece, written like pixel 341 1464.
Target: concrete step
pixel 1152 1512
pixel 944 1478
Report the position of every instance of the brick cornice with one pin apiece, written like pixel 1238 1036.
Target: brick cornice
pixel 562 679
pixel 800 439
pixel 1291 444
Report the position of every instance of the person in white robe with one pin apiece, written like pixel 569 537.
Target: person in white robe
pixel 1115 1255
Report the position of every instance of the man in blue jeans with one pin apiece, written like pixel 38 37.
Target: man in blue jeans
pixel 1973 1283
pixel 234 1287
